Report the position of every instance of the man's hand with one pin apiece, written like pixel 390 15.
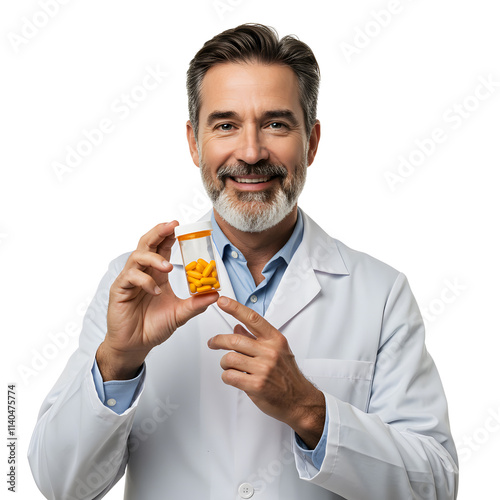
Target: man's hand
pixel 262 365
pixel 143 310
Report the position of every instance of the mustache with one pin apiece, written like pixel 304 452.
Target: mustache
pixel 262 168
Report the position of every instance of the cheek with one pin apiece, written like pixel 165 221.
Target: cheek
pixel 289 152
pixel 215 151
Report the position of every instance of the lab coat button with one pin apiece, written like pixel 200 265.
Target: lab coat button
pixel 111 402
pixel 253 299
pixel 245 490
pixel 234 254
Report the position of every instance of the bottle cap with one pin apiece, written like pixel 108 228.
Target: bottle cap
pixel 196 227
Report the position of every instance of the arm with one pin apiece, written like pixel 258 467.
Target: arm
pixel 401 448
pixel 79 446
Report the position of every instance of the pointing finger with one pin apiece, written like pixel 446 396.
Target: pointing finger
pixel 254 322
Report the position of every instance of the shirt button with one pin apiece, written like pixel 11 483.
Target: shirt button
pixel 111 402
pixel 245 490
pixel 253 299
pixel 234 254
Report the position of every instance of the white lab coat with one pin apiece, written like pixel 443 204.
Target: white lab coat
pixel 356 332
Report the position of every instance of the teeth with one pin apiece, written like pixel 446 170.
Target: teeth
pixel 251 181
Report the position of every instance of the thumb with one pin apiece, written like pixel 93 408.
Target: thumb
pixel 189 308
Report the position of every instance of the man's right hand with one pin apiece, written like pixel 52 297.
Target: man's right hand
pixel 143 310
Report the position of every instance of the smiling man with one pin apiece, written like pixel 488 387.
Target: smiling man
pixel 308 378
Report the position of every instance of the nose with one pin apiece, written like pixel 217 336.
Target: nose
pixel 251 148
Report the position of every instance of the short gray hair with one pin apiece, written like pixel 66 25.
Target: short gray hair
pixel 259 43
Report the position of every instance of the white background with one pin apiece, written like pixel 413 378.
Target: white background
pixel 439 226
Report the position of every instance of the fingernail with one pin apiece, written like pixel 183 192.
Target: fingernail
pixel 157 290
pixel 223 301
pixel 164 263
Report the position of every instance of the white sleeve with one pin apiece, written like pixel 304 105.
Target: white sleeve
pixel 401 448
pixel 79 446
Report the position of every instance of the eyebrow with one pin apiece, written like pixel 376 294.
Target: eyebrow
pixel 286 114
pixel 220 115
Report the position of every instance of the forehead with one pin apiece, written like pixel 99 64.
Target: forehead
pixel 250 87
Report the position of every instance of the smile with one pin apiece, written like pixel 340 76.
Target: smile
pixel 249 180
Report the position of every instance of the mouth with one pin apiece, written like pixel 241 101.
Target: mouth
pixel 251 182
pixel 251 179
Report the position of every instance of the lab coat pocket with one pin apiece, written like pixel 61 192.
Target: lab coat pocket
pixel 348 380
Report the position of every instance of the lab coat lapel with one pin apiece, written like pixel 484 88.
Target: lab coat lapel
pixel 299 285
pixel 297 288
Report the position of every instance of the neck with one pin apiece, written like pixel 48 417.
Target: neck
pixel 258 248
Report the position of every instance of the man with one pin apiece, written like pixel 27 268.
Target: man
pixel 327 391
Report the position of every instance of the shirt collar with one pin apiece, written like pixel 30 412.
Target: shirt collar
pixel 224 246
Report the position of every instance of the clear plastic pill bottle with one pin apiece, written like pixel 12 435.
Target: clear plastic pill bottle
pixel 198 257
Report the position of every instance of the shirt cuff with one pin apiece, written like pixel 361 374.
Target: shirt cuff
pixel 117 395
pixel 317 455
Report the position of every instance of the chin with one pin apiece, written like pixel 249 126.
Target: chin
pixel 253 216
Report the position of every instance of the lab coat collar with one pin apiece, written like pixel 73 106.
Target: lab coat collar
pixel 323 250
pixel 317 252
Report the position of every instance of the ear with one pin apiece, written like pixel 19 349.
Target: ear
pixel 192 143
pixel 313 142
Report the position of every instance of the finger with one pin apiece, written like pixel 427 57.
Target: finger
pixel 131 281
pixel 145 260
pixel 238 379
pixel 189 308
pixel 241 331
pixel 235 342
pixel 162 236
pixel 254 322
pixel 236 361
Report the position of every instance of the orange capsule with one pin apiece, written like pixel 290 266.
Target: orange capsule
pixel 203 263
pixel 208 270
pixel 208 281
pixel 191 266
pixel 192 287
pixel 194 274
pixel 202 289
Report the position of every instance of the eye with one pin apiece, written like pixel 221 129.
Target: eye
pixel 226 127
pixel 276 125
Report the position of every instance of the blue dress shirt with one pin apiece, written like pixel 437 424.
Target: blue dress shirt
pixel 118 395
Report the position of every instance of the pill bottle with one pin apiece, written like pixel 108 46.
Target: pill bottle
pixel 198 257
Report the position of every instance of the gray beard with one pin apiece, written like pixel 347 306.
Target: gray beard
pixel 261 210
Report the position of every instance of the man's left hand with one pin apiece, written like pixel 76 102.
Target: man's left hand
pixel 262 365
